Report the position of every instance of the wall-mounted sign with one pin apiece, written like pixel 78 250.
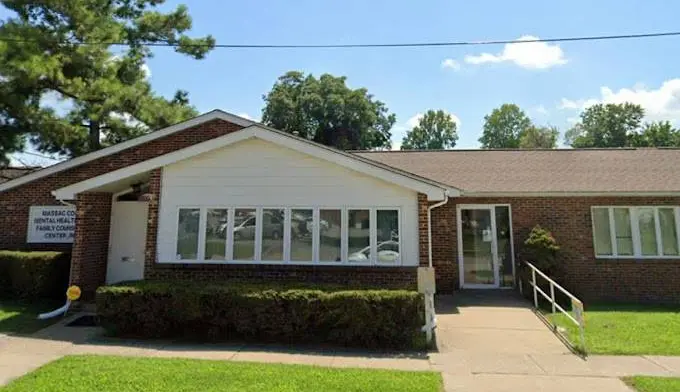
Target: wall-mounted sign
pixel 51 224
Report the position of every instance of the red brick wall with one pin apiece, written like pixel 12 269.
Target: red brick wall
pixel 569 220
pixel 15 202
pixel 91 243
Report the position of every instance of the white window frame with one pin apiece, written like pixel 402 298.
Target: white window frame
pixel 635 229
pixel 286 235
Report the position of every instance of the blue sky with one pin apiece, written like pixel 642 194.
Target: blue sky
pixel 551 82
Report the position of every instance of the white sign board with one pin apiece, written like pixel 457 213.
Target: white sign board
pixel 51 224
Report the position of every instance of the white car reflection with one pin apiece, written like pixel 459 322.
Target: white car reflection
pixel 388 252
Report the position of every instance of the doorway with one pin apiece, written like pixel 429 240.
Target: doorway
pixel 485 247
pixel 127 241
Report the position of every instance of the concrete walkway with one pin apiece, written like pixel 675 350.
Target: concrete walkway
pixel 486 343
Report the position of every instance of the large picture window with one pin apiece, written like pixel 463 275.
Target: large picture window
pixel 636 232
pixel 313 235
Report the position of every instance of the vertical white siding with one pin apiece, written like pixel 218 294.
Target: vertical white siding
pixel 259 173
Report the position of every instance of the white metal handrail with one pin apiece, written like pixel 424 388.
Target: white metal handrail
pixel 576 304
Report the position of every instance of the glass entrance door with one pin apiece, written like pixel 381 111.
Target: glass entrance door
pixel 485 254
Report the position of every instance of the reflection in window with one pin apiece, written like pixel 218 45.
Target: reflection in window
pixel 647 225
pixel 330 235
pixel 669 235
pixel 359 235
pixel 216 227
pixel 301 227
pixel 388 235
pixel 245 223
pixel 187 233
pixel 272 234
pixel 603 239
pixel 623 231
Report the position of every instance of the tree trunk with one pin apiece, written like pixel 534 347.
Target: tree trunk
pixel 93 136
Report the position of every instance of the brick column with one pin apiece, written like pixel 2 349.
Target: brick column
pixel 154 196
pixel 91 244
pixel 422 230
pixel 444 242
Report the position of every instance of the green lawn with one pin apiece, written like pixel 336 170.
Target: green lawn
pixel 101 373
pixel 654 384
pixel 628 329
pixel 21 318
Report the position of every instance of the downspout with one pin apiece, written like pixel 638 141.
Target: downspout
pixel 429 225
pixel 67 305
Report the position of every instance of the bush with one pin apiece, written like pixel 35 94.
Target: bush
pixel 540 249
pixel 284 314
pixel 33 275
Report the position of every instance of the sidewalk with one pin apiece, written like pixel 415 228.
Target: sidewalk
pixel 462 369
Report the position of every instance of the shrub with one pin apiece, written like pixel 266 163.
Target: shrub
pixel 540 249
pixel 284 314
pixel 33 275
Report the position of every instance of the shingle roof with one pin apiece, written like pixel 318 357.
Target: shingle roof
pixel 526 171
pixel 10 173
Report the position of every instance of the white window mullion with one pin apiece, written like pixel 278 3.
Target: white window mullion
pixel 229 250
pixel 635 227
pixel 258 234
pixel 612 231
pixel 286 234
pixel 373 235
pixel 315 235
pixel 344 236
pixel 677 225
pixel 657 228
pixel 200 255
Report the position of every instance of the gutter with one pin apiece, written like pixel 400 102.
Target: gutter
pixel 429 225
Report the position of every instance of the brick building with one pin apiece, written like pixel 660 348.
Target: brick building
pixel 221 197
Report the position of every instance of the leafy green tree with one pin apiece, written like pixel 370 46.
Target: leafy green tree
pixel 504 127
pixel 436 130
pixel 606 125
pixel 326 111
pixel 656 134
pixel 61 50
pixel 539 137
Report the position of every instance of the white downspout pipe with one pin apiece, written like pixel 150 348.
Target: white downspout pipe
pixel 429 225
pixel 430 316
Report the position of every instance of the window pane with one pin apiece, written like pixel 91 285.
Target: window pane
pixel 359 235
pixel 388 235
pixel 669 237
pixel 244 233
pixel 603 240
pixel 272 234
pixel 647 231
pixel 623 232
pixel 187 233
pixel 301 223
pixel 216 227
pixel 330 235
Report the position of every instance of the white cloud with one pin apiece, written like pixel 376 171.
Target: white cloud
pixel 451 64
pixel 530 55
pixel 413 121
pixel 662 103
pixel 539 110
pixel 146 70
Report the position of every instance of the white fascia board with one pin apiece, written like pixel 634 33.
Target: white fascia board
pixel 213 115
pixel 433 192
pixel 571 194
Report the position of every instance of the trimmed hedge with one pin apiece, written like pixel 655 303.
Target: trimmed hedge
pixel 34 275
pixel 283 314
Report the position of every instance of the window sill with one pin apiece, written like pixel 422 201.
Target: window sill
pixel 291 263
pixel 640 258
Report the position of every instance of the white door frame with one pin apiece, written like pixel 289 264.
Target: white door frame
pixel 494 244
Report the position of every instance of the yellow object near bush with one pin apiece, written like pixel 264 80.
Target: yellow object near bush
pixel 73 293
